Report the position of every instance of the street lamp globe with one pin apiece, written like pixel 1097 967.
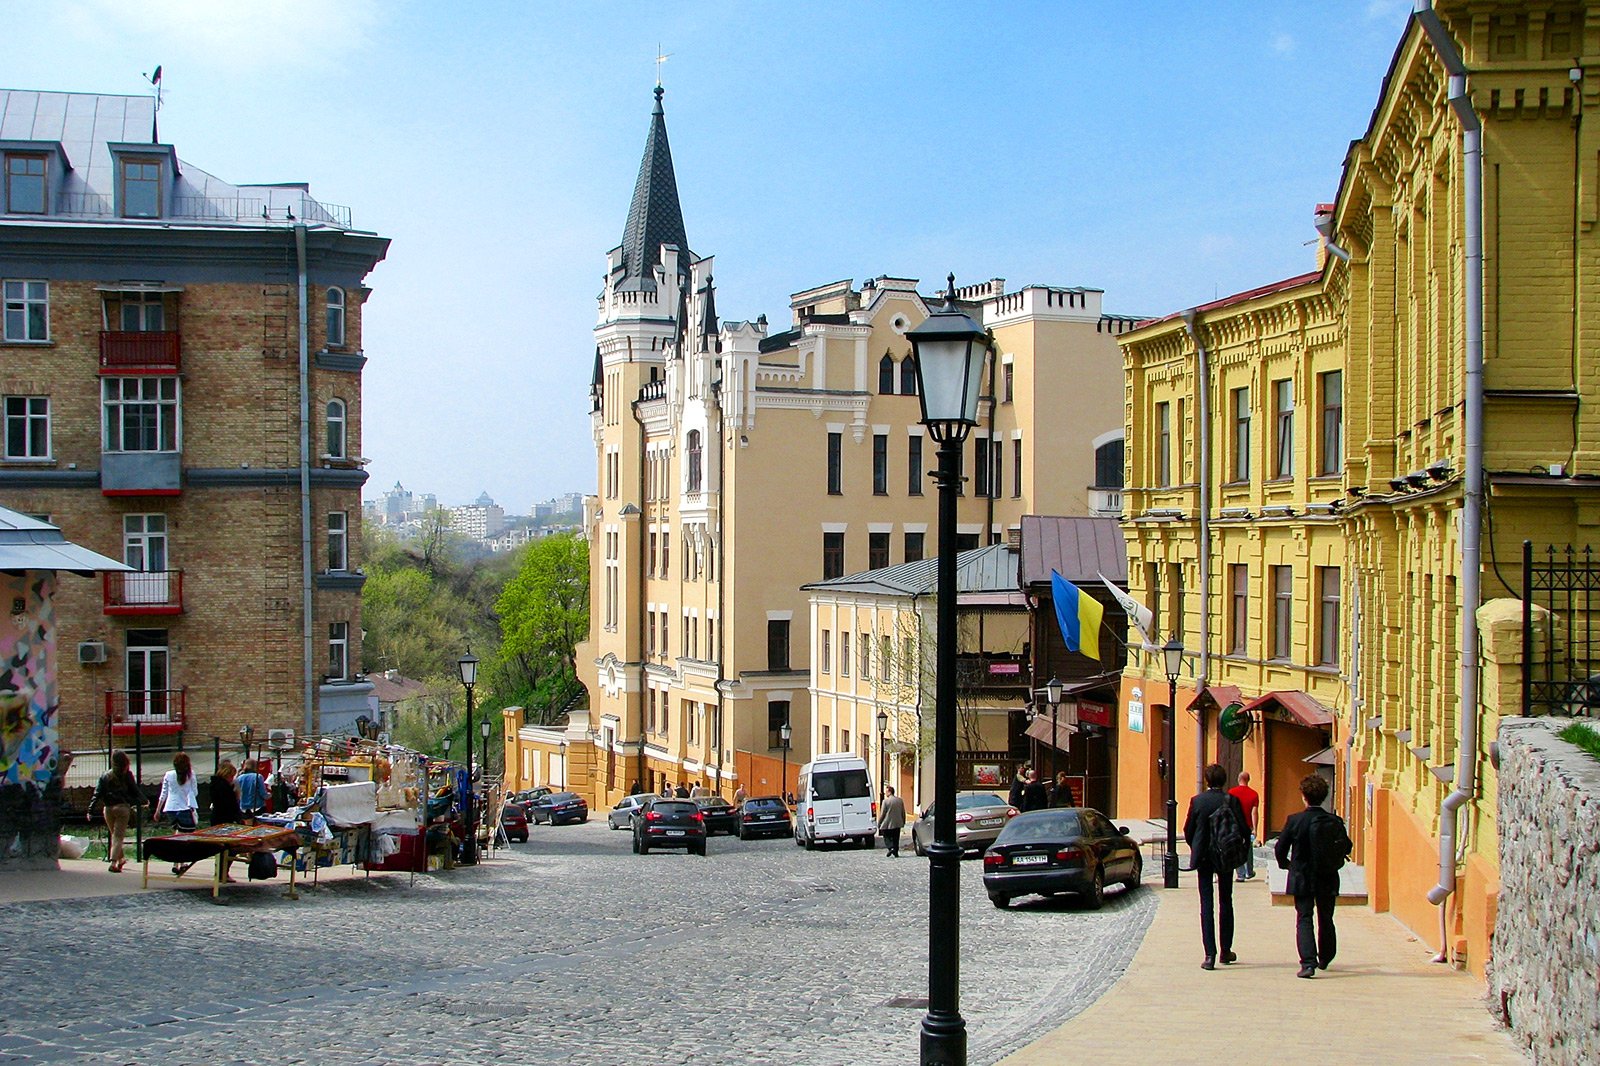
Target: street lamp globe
pixel 949 350
pixel 883 722
pixel 1172 657
pixel 483 730
pixel 785 731
pixel 468 665
pixel 446 745
pixel 1052 691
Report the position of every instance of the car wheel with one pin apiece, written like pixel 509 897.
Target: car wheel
pixel 636 845
pixel 809 844
pixel 644 849
pixel 612 825
pixel 916 846
pixel 1096 896
pixel 701 851
pixel 584 820
pixel 1002 902
pixel 1137 876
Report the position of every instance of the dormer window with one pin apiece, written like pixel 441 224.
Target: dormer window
pixel 25 188
pixel 139 186
pixel 335 317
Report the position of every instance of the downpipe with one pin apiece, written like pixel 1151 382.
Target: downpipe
pixel 1203 379
pixel 308 675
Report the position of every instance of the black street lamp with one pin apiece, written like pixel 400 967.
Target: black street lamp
pixel 883 751
pixel 483 731
pixel 246 735
pixel 1052 693
pixel 468 665
pixel 949 350
pixel 785 731
pixel 1172 656
pixel 446 744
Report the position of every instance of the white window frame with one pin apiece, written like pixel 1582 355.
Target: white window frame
pixel 32 411
pixel 338 541
pixel 144 542
pixel 336 316
pixel 21 296
pixel 168 411
pixel 147 699
pixel 339 651
pixel 336 413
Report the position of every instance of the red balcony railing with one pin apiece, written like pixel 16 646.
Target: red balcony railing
pixel 143 592
pixel 122 352
pixel 153 711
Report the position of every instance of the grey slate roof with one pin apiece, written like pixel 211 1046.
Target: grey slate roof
pixel 1079 548
pixel 991 569
pixel 29 544
pixel 654 217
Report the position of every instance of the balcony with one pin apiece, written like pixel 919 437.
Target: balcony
pixel 143 592
pixel 125 352
pixel 1105 503
pixel 148 712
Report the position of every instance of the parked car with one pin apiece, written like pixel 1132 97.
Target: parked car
pixel 1063 849
pixel 559 807
pixel 621 815
pixel 979 818
pixel 720 815
pixel 514 820
pixel 763 816
pixel 527 796
pixel 835 802
pixel 668 823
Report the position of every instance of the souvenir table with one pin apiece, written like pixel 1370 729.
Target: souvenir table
pixel 225 842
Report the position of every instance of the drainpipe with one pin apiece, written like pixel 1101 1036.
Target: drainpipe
pixel 1356 703
pixel 306 623
pixel 1472 498
pixel 1203 373
pixel 644 587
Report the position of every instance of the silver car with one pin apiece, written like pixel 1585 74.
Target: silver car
pixel 979 818
pixel 620 816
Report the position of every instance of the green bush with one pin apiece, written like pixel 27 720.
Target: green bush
pixel 1583 736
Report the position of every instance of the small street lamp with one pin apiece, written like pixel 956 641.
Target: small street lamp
pixel 883 751
pixel 785 731
pixel 949 352
pixel 446 743
pixel 246 735
pixel 1052 693
pixel 468 665
pixel 483 730
pixel 1172 657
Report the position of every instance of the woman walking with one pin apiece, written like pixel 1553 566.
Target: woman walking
pixel 180 795
pixel 117 797
pixel 224 797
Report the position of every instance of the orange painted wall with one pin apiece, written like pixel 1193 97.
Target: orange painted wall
pixel 762 775
pixel 1479 891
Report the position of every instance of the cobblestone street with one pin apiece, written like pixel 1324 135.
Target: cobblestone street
pixel 566 950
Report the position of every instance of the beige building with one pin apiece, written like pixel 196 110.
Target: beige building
pixel 738 464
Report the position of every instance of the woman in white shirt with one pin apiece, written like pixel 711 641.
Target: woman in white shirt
pixel 180 795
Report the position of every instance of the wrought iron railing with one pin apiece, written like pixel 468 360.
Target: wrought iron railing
pixel 155 709
pixel 143 592
pixel 1561 673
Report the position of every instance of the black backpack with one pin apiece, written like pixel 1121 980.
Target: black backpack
pixel 1228 847
pixel 1330 844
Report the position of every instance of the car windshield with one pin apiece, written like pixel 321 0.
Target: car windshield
pixel 840 784
pixel 978 799
pixel 563 797
pixel 712 801
pixel 768 804
pixel 675 808
pixel 1040 827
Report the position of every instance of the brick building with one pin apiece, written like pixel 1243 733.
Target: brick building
pixel 180 374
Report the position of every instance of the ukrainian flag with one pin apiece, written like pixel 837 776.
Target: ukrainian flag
pixel 1078 614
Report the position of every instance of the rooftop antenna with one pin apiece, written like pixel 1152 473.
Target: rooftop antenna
pixel 661 57
pixel 154 78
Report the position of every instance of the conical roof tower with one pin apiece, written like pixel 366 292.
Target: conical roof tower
pixel 654 217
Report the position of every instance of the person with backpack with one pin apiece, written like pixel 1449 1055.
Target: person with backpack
pixel 1217 835
pixel 1312 847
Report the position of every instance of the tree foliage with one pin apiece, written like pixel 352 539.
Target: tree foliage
pixel 544 613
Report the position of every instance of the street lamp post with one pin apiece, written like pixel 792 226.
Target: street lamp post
pixel 468 665
pixel 1172 657
pixel 883 751
pixel 483 731
pixel 1052 692
pixel 949 350
pixel 246 735
pixel 785 731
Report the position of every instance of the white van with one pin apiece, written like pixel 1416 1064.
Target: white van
pixel 834 802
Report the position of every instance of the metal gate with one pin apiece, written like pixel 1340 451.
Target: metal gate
pixel 1561 675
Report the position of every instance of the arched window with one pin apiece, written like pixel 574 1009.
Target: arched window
pixel 693 451
pixel 1108 465
pixel 886 375
pixel 335 316
pixel 336 430
pixel 908 376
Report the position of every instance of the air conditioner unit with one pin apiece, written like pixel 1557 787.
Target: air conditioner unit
pixel 280 739
pixel 91 652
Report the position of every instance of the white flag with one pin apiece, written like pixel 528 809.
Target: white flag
pixel 1141 616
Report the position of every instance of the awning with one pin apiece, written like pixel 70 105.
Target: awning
pixel 26 543
pixel 1301 707
pixel 138 286
pixel 1217 696
pixel 1057 734
pixel 1326 757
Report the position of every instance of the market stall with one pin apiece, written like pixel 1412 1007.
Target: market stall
pixel 225 843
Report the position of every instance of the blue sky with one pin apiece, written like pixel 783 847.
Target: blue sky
pixel 1166 152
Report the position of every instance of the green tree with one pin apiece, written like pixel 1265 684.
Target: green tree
pixel 544 613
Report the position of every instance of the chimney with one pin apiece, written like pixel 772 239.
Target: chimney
pixel 1014 539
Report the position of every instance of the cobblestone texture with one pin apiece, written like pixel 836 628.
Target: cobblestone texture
pixel 572 950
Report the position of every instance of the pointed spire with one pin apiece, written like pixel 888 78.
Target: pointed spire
pixel 654 217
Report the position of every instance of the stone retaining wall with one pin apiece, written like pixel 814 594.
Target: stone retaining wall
pixel 1545 968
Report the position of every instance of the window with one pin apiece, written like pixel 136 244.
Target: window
pixel 144 542
pixel 27 427
pixel 141 414
pixel 864 646
pixel 914 546
pixel 1016 468
pixel 865 746
pixel 877 551
pixel 1241 434
pixel 339 651
pixel 666 553
pixel 1008 375
pixel 965 542
pixel 27 310
pixel 835 463
pixel 908 376
pixel 338 541
pixel 336 430
pixel 777 644
pixel 335 297
pixel 1239 614
pixel 693 452
pixel 880 464
pixel 25 184
pixel 1175 599
pixel 825 657
pixel 1331 458
pixel 914 467
pixel 995 480
pixel 141 312
pixel 1327 616
pixel 1283 428
pixel 1152 585
pixel 650 568
pixel 825 738
pixel 1108 460
pixel 980 466
pixel 844 653
pixel 885 654
pixel 832 556
pixel 148 673
pixel 141 188
pixel 886 375
pixel 1163 444
pixel 777 718
pixel 844 740
pixel 689 719
pixel 1282 612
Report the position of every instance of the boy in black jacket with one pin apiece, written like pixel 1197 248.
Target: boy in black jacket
pixel 1312 847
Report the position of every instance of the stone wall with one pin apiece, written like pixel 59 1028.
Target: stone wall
pixel 1546 962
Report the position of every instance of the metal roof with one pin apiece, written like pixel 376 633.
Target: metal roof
pixel 654 217
pixel 29 544
pixel 983 575
pixel 1078 548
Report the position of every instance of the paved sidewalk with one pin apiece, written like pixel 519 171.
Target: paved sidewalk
pixel 1382 1001
pixel 90 879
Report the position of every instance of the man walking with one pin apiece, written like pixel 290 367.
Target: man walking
pixel 1249 799
pixel 1312 847
pixel 1035 794
pixel 1214 826
pixel 891 819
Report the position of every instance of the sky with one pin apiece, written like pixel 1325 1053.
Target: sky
pixel 1162 150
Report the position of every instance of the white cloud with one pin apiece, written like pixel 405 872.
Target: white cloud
pixel 244 35
pixel 1282 43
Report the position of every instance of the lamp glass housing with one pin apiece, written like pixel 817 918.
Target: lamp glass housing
pixel 446 744
pixel 785 731
pixel 949 348
pixel 883 721
pixel 1052 690
pixel 483 730
pixel 1172 656
pixel 468 665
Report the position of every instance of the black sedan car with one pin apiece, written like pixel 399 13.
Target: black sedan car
pixel 763 816
pixel 669 823
pixel 559 808
pixel 720 815
pixel 1063 849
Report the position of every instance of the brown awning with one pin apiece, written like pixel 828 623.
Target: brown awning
pixel 1058 734
pixel 1217 697
pixel 1301 707
pixel 1326 757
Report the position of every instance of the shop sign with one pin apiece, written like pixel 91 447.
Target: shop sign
pixel 1005 668
pixel 1136 711
pixel 986 775
pixel 1094 713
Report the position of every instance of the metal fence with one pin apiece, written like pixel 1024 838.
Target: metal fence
pixel 149 759
pixel 1561 673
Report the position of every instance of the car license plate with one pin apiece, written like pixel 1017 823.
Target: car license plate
pixel 988 821
pixel 674 832
pixel 829 819
pixel 769 818
pixel 1029 860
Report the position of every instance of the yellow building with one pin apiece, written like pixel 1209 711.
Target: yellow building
pixel 1438 411
pixel 738 463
